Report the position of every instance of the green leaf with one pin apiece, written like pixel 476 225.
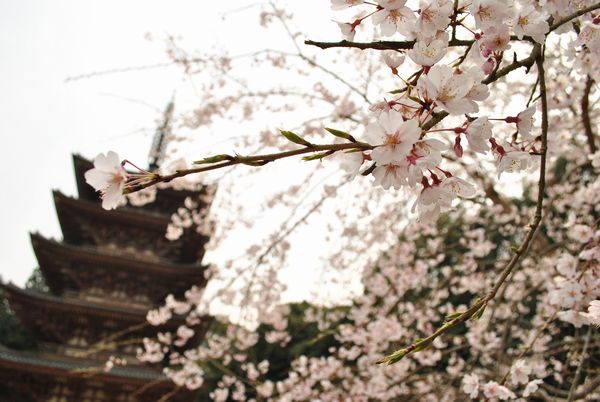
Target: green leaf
pixel 295 138
pixel 214 159
pixel 341 134
pixel 478 313
pixel 394 357
pixel 423 345
pixel 453 316
pixel 317 156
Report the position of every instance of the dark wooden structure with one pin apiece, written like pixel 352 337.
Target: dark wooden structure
pixel 110 268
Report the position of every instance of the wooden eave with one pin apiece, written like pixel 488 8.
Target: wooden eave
pixel 48 251
pixel 66 207
pixel 32 362
pixel 44 301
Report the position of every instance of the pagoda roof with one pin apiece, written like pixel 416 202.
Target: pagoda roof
pixel 36 376
pixel 34 362
pixel 40 300
pixel 34 309
pixel 71 212
pixel 56 257
pixel 66 207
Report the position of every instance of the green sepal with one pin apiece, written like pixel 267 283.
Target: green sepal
pixel 478 313
pixel 341 134
pixel 257 163
pixel 422 346
pixel 317 156
pixel 295 138
pixel 214 159
pixel 394 357
pixel 453 316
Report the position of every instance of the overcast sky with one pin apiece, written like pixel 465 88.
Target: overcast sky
pixel 44 117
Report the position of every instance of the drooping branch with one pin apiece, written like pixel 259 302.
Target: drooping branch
pixel 478 307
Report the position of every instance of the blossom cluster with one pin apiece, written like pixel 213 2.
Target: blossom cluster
pixel 436 138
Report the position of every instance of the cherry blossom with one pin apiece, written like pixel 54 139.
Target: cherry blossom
pixel 434 16
pixel 530 22
pixel 428 53
pixel 524 121
pixel 449 91
pixel 395 17
pixel 593 313
pixel 395 135
pixel 520 372
pixel 341 4
pixel 531 387
pixel 471 385
pixel 478 133
pixel 108 177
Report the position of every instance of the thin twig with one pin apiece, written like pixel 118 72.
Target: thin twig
pixel 580 365
pixel 576 14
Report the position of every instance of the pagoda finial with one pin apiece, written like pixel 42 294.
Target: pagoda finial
pixel 161 137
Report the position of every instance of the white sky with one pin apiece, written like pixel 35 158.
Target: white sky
pixel 43 118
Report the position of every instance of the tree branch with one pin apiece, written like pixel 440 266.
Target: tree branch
pixel 585 114
pixel 255 160
pixel 380 45
pixel 576 14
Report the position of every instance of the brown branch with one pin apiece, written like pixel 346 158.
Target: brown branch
pixel 255 160
pixel 380 45
pixel 576 14
pixel 585 114
pixel 480 304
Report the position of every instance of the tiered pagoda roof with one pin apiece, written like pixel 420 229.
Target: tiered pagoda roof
pixel 109 270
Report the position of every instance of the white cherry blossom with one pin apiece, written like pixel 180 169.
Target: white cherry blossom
pixel 390 175
pixel 471 385
pixel 593 313
pixel 478 133
pixel 395 136
pixel 520 372
pixel 531 387
pixel 427 53
pixel 530 22
pixel 395 17
pixel 513 161
pixel 342 4
pixel 489 13
pixel 434 16
pixel 108 177
pixel 448 90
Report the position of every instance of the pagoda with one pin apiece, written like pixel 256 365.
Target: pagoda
pixel 110 268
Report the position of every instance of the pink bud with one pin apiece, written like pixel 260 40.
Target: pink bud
pixel 458 149
pixel 489 66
